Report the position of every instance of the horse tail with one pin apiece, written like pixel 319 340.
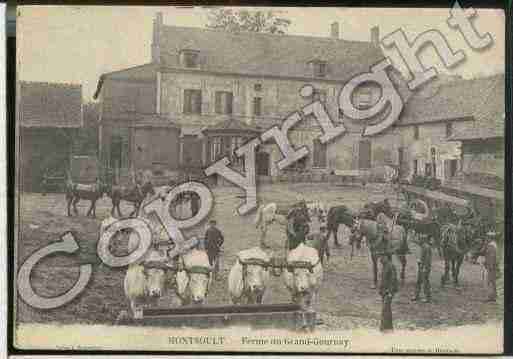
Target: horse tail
pixel 258 216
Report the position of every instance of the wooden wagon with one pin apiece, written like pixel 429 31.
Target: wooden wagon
pixel 434 199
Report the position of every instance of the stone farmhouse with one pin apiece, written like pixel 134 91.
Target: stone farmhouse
pixel 205 92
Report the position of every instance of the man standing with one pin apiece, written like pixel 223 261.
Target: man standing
pixel 490 255
pixel 387 290
pixel 424 269
pixel 214 240
pixel 297 230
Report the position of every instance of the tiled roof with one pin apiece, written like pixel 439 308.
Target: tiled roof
pixel 489 114
pixel 44 104
pixel 455 99
pixel 140 72
pixel 231 125
pixel 267 54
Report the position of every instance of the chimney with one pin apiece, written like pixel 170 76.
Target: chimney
pixel 374 33
pixel 335 30
pixel 155 44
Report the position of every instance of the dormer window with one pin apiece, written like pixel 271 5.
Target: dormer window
pixel 319 68
pixel 189 59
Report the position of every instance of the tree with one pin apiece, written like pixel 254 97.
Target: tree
pixel 247 20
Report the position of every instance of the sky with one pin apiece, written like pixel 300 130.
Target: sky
pixel 76 44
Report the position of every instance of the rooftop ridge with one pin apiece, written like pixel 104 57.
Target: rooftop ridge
pixel 55 84
pixel 253 33
pixel 459 82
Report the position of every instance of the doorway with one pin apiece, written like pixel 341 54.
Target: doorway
pixel 262 163
pixel 364 154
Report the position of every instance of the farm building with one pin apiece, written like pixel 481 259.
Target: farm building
pixel 482 152
pixel 199 79
pixel 426 138
pixel 49 116
pixel 211 90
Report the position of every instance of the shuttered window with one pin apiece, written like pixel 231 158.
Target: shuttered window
pixel 192 101
pixel 257 106
pixel 319 154
pixel 448 129
pixel 224 102
pixel 216 149
pixel 416 132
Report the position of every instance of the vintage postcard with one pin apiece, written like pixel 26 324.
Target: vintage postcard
pixel 260 179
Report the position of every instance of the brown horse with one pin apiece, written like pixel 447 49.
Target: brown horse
pixel 77 191
pixel 396 243
pixel 338 215
pixel 134 194
pixel 456 241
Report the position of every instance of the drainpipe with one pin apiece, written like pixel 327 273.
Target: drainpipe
pixel 158 92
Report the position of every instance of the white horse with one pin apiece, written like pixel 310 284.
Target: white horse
pixel 265 216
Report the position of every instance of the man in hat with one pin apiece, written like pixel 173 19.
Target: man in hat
pixel 490 254
pixel 214 240
pixel 389 286
pixel 424 269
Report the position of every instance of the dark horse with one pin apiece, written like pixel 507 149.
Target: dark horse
pixel 134 194
pixel 77 191
pixel 372 209
pixel 336 216
pixel 456 241
pixel 297 225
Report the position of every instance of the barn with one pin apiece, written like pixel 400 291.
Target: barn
pixel 49 116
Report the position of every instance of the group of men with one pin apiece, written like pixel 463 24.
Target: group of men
pixel 389 281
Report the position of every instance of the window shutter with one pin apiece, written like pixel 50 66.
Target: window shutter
pixel 229 102
pixel 257 106
pixel 187 102
pixel 218 102
pixel 198 101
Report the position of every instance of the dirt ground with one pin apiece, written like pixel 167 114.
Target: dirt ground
pixel 346 298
